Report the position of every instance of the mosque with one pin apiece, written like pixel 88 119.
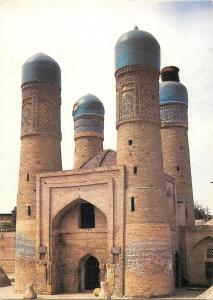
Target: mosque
pixel 125 217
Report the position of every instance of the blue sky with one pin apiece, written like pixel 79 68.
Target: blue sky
pixel 80 35
pixel 180 7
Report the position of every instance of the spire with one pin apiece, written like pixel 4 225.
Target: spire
pixel 136 28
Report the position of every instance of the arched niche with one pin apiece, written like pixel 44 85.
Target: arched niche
pixel 199 261
pixel 205 239
pixel 71 242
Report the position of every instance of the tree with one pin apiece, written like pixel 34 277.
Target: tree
pixel 14 215
pixel 202 213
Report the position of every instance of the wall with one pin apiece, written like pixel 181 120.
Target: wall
pixel 7 251
pixel 194 242
pixel 74 243
pixel 57 195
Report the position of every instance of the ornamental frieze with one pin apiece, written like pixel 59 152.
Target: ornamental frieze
pixel 174 114
pixel 134 99
pixel 26 124
pixel 40 115
pixel 47 116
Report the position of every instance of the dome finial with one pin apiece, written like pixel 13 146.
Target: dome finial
pixel 170 73
pixel 136 27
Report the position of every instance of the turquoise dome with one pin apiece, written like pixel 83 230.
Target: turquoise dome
pixel 88 105
pixel 43 68
pixel 137 47
pixel 173 91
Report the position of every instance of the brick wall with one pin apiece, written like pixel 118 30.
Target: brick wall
pixel 7 251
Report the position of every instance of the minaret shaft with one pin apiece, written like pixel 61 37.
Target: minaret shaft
pixel 147 250
pixel 40 151
pixel 175 145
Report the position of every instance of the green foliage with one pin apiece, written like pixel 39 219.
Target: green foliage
pixel 202 213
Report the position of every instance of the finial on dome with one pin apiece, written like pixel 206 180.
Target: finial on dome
pixel 170 73
pixel 136 27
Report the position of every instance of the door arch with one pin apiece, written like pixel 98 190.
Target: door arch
pixel 91 273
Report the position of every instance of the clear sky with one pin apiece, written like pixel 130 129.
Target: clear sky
pixel 80 35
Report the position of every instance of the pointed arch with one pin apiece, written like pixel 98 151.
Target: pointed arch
pixel 73 244
pixel 66 208
pixel 89 272
pixel 202 240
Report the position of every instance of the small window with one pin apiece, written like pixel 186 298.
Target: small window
pixel 186 213
pixel 130 142
pixel 28 177
pixel 87 215
pixel 132 204
pixel 135 170
pixel 209 253
pixel 28 210
pixel 178 168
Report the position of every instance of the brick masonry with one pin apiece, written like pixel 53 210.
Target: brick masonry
pixel 176 158
pixel 7 252
pixel 148 250
pixel 138 209
pixel 40 151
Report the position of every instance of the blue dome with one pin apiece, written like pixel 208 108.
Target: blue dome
pixel 137 47
pixel 41 67
pixel 88 105
pixel 173 91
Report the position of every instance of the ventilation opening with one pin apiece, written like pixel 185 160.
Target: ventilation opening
pixel 135 170
pixel 186 213
pixel 28 177
pixel 178 168
pixel 209 253
pixel 132 204
pixel 87 215
pixel 28 210
pixel 130 142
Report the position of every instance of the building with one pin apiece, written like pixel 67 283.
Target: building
pixel 7 242
pixel 122 216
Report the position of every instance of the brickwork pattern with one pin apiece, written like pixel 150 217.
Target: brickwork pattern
pixel 7 251
pixel 139 149
pixel 59 268
pixel 85 148
pixel 40 151
pixel 177 164
pixel 175 113
pixel 195 241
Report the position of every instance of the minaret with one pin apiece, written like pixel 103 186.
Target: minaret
pixel 147 251
pixel 40 151
pixel 174 135
pixel 88 115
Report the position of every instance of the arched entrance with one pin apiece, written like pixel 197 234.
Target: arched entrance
pixel 78 254
pixel 91 273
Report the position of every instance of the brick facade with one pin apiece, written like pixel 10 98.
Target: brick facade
pixel 136 239
pixel 40 151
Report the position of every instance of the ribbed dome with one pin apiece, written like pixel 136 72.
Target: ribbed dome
pixel 103 158
pixel 41 67
pixel 88 104
pixel 137 47
pixel 173 91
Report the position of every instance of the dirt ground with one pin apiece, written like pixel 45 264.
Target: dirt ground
pixel 8 293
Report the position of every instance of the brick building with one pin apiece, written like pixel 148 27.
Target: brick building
pixel 7 242
pixel 122 216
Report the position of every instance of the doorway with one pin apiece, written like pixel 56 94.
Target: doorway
pixel 209 273
pixel 91 275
